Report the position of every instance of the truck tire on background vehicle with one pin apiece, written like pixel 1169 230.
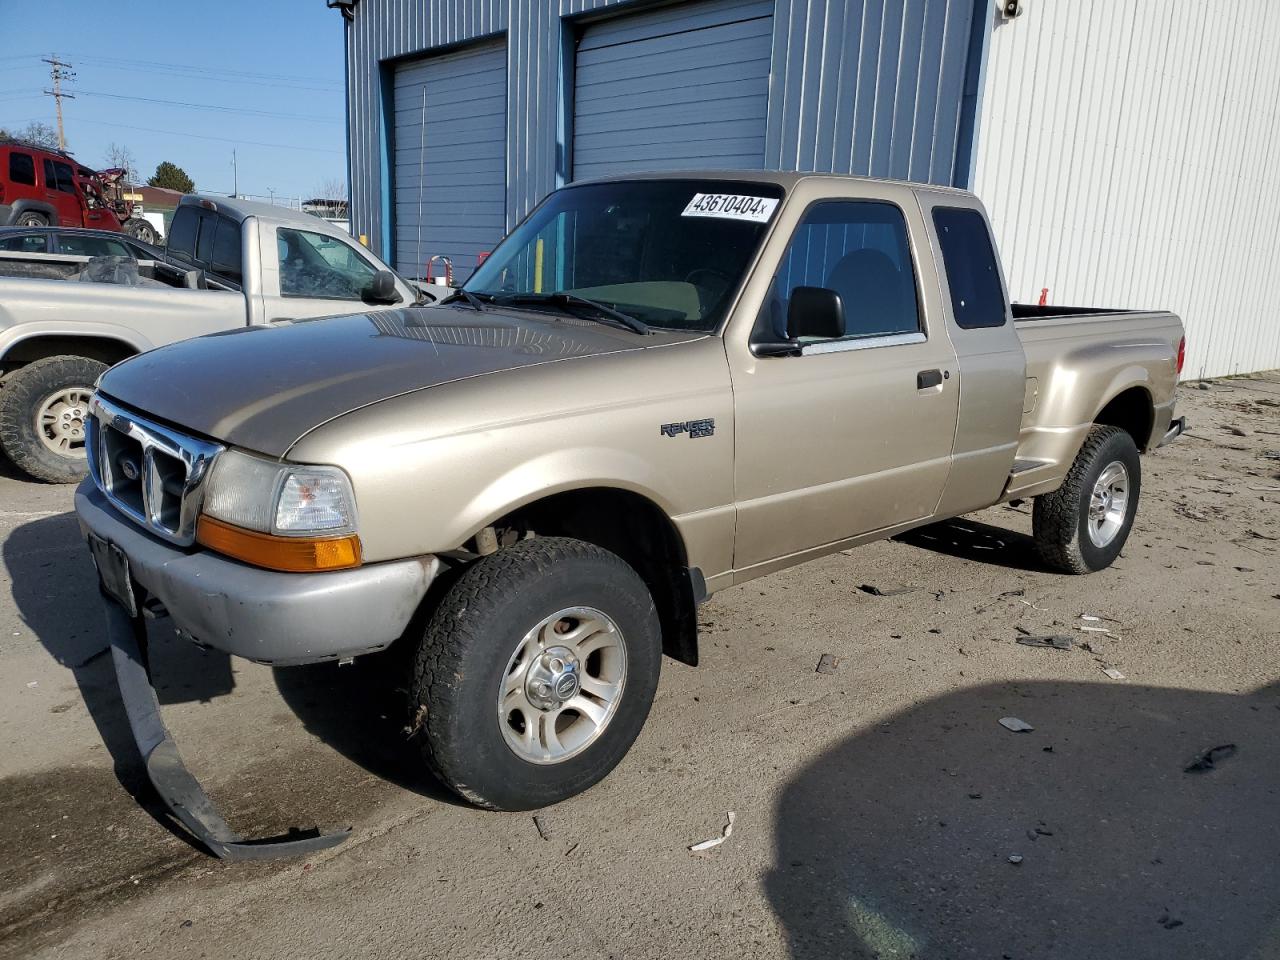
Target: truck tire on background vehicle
pixel 1082 526
pixel 43 407
pixel 31 219
pixel 141 230
pixel 536 673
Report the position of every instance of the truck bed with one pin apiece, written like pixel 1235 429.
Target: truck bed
pixel 1077 358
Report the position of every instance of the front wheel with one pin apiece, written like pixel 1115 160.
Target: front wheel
pixel 536 673
pixel 1082 526
pixel 43 408
pixel 32 219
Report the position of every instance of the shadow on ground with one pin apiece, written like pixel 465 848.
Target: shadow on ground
pixel 357 710
pixel 897 843
pixel 361 711
pixel 971 539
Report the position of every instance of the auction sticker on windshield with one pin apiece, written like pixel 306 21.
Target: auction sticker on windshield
pixel 731 206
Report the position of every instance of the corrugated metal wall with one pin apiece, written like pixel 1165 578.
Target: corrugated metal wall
pixel 857 86
pixel 1130 156
pixel 677 88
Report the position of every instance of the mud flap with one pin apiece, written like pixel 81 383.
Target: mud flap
pixel 179 790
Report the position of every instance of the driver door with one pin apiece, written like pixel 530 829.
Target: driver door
pixel 854 434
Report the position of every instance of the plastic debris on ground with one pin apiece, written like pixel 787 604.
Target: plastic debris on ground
pixel 1112 672
pixel 1055 641
pixel 543 830
pixel 889 591
pixel 1206 760
pixel 715 841
pixel 1015 858
pixel 1016 725
pixel 828 664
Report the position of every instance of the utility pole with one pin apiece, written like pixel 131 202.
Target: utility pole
pixel 59 72
pixel 235 175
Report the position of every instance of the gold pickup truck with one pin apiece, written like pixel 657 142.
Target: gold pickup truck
pixel 655 388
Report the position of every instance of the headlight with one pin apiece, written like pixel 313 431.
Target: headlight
pixel 279 515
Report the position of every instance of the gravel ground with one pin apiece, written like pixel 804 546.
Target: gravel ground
pixel 881 810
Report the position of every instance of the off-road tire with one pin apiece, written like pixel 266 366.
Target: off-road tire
pixel 31 219
pixel 469 640
pixel 1059 520
pixel 142 230
pixel 24 392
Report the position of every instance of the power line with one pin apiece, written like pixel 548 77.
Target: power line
pixel 203 78
pixel 207 71
pixel 211 106
pixel 202 136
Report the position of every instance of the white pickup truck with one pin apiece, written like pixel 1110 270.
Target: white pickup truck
pixel 229 263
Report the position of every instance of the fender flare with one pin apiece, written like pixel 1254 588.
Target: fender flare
pixel 23 205
pixel 92 330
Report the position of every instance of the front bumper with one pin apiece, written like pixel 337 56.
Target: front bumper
pixel 262 615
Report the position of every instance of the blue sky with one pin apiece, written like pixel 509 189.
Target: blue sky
pixel 262 78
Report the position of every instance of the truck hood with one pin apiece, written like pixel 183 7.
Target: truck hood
pixel 263 388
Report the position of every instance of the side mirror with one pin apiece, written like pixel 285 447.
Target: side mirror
pixel 815 312
pixel 382 288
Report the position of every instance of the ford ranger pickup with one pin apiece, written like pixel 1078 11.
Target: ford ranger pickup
pixel 657 387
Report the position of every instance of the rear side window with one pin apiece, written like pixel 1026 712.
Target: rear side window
pixel 63 176
pixel 977 298
pixel 182 233
pixel 204 239
pixel 22 168
pixel 226 251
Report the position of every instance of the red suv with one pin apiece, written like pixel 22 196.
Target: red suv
pixel 41 188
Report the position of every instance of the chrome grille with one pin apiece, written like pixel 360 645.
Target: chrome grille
pixel 151 474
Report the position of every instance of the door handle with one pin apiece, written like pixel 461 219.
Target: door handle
pixel 928 378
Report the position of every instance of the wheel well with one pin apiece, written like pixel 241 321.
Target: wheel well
pixel 1131 411
pixel 103 349
pixel 637 530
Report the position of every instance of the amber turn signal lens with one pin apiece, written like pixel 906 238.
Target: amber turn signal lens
pixel 288 554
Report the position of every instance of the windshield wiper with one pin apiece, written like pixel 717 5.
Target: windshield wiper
pixel 566 300
pixel 474 301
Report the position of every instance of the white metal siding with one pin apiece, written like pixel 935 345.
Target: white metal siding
pixel 1129 154
pixel 679 87
pixel 450 179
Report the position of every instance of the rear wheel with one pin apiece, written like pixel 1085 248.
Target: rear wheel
pixel 43 408
pixel 536 673
pixel 32 219
pixel 1082 526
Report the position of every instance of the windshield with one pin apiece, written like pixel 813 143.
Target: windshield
pixel 670 253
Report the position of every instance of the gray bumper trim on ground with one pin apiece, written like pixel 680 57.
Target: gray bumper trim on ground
pixel 262 615
pixel 1176 429
pixel 179 790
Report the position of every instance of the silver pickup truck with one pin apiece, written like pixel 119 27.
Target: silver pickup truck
pixel 229 263
pixel 656 387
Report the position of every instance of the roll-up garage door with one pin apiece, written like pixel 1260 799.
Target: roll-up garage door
pixel 684 86
pixel 450 177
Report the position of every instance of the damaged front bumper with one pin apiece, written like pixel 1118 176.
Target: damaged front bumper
pixel 281 619
pixel 274 618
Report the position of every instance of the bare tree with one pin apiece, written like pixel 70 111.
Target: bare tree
pixel 334 189
pixel 41 134
pixel 122 157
